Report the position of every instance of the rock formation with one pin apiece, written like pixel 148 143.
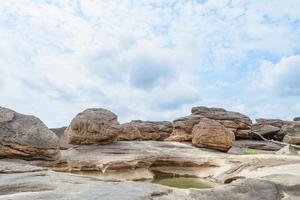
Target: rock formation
pixel 26 137
pixel 239 124
pixel 145 130
pixel 268 128
pixel 212 134
pixel 297 119
pixel 94 125
pixel 292 133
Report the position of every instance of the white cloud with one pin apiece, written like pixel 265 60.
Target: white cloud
pixel 282 77
pixel 143 59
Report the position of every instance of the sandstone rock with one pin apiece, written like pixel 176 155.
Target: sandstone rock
pixel 129 132
pixel 179 137
pixel 257 144
pixel 265 130
pixel 62 136
pixel 95 125
pixel 26 137
pixel 145 130
pixel 182 128
pixel 213 135
pixel 297 119
pixel 239 124
pixel 292 133
pixel 287 150
pixel 269 128
pixel 51 185
pixel 273 122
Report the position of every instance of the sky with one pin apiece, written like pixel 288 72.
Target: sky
pixel 149 59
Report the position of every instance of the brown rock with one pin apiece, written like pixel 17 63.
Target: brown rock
pixel 292 133
pixel 239 124
pixel 179 137
pixel 145 130
pixel 213 135
pixel 265 130
pixel 26 137
pixel 95 125
pixel 129 132
pixel 269 128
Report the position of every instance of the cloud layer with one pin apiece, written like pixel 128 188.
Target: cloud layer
pixel 149 59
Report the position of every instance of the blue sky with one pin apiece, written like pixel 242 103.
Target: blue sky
pixel 151 59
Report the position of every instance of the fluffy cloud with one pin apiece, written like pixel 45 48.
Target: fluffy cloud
pixel 281 78
pixel 148 59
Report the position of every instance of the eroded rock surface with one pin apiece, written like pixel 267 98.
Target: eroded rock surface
pixel 62 186
pixel 292 133
pixel 62 136
pixel 26 137
pixel 212 135
pixel 269 128
pixel 145 130
pixel 239 124
pixel 258 177
pixel 95 125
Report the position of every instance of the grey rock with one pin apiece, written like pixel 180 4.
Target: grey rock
pixel 26 137
pixel 62 186
pixel 265 130
pixel 62 136
pixel 257 144
pixel 297 119
pixel 273 122
pixel 93 126
pixel 267 127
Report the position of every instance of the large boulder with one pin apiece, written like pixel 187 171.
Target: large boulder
pixel 93 126
pixel 292 133
pixel 145 130
pixel 239 124
pixel 26 137
pixel 212 134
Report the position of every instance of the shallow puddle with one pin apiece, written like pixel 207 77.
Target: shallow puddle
pixel 182 182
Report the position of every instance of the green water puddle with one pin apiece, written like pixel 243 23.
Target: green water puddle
pixel 182 182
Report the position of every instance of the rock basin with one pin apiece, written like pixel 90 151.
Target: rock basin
pixel 160 170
